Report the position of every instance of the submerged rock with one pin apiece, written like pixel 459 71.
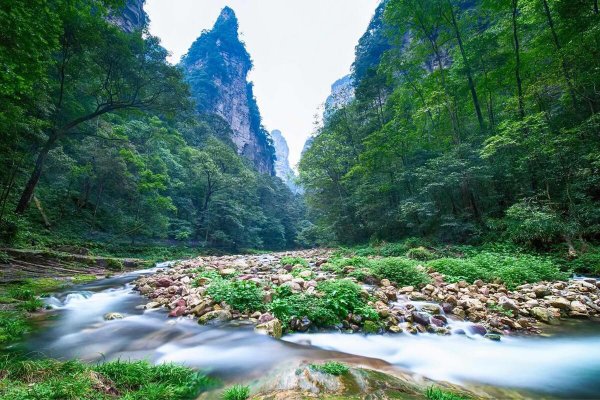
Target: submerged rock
pixel 112 315
pixel 272 328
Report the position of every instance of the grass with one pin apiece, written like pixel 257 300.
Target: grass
pixel 331 367
pixel 294 261
pixel 72 380
pixel 236 392
pixel 435 393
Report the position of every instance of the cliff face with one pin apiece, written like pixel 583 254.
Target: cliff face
pixel 342 93
pixel 217 66
pixel 282 163
pixel 131 17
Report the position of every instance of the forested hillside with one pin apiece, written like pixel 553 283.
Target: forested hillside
pixel 101 140
pixel 472 120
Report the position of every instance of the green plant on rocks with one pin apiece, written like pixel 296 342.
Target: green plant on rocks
pixel 240 295
pixel 420 254
pixel 399 270
pixel 331 367
pixel 435 393
pixel 294 261
pixel 236 392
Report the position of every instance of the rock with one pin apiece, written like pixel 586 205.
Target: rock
pixel 542 314
pixel 578 309
pixel 451 299
pixel 112 316
pixel 559 302
pixel 459 312
pixel 479 283
pixel 152 304
pixel 508 304
pixel 227 271
pixel 285 278
pixel 295 286
pixel 305 274
pixel 300 325
pixel 420 318
pixel 524 322
pixel 266 317
pixel 477 329
pixel 145 289
pixel 164 282
pixel 447 307
pixel 395 329
pixel 431 308
pixel 215 316
pixel 493 336
pixel 407 289
pixel 439 322
pixel 271 328
pixel 541 291
pixel 386 282
pixel 177 311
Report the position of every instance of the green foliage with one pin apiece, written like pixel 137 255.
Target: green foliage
pixel 587 262
pixel 73 380
pixel 420 253
pixel 236 392
pixel 12 326
pixel 435 393
pixel 340 298
pixel 294 261
pixel 399 270
pixel 512 270
pixel 331 367
pixel 240 295
pixel 370 327
pixel 114 264
pixel 535 225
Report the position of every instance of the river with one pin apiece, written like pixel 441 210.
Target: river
pixel 566 364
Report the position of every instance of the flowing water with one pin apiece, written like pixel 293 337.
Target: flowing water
pixel 564 365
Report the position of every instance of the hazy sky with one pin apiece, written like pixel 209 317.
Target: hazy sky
pixel 299 48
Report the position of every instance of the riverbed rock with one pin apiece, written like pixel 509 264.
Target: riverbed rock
pixel 542 314
pixel 271 328
pixel 559 302
pixel 112 316
pixel 216 316
pixel 163 282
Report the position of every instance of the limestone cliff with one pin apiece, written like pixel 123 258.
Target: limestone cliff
pixel 282 163
pixel 130 17
pixel 217 66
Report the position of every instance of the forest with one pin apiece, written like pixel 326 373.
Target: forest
pixel 440 240
pixel 472 121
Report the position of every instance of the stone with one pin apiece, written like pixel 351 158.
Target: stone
pixel 420 318
pixel 227 271
pixel 386 282
pixel 559 302
pixel 395 329
pixel 216 316
pixel 541 291
pixel 493 336
pixel 508 304
pixel 152 304
pixel 305 274
pixel 542 314
pixel 578 309
pixel 285 278
pixel 459 312
pixel 295 286
pixel 477 329
pixel 266 317
pixel 271 328
pixel 164 282
pixel 431 308
pixel 177 311
pixel 112 316
pixel 300 325
pixel 145 289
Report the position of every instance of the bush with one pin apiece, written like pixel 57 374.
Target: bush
pixel 236 392
pixel 294 261
pixel 535 224
pixel 240 295
pixel 513 270
pixel 420 253
pixel 587 263
pixel 340 297
pixel 331 367
pixel 12 326
pixel 401 271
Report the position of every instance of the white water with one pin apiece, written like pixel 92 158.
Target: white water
pixel 566 366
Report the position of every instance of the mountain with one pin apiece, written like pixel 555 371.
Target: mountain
pixel 130 17
pixel 282 164
pixel 342 93
pixel 216 67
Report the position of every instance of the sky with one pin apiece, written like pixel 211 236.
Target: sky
pixel 299 48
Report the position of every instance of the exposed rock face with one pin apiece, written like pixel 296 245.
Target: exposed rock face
pixel 282 163
pixel 342 93
pixel 307 145
pixel 217 66
pixel 131 17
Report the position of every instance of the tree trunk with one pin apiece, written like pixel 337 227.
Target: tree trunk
pixel 36 174
pixel 515 12
pixel 467 68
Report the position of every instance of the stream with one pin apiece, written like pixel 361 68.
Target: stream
pixel 566 364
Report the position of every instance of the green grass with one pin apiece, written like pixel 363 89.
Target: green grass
pixel 48 379
pixel 294 261
pixel 511 269
pixel 236 392
pixel 435 393
pixel 331 367
pixel 13 325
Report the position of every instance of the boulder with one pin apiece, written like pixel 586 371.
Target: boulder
pixel 508 304
pixel 164 282
pixel 271 328
pixel 216 316
pixel 542 314
pixel 112 315
pixel 559 302
pixel 177 311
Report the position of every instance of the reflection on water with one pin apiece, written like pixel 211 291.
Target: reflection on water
pixel 565 366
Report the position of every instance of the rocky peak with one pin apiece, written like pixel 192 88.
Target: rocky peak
pixel 216 67
pixel 130 16
pixel 282 164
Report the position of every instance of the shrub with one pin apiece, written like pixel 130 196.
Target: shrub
pixel 21 293
pixel 12 326
pixel 294 261
pixel 344 297
pixel 535 224
pixel 331 367
pixel 401 271
pixel 114 264
pixel 420 253
pixel 240 295
pixel 392 249
pixel 31 305
pixel 236 392
pixel 587 263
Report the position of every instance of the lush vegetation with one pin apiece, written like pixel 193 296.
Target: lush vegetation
pixel 236 392
pixel 472 121
pixel 103 145
pixel 72 380
pixel 435 393
pixel 331 367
